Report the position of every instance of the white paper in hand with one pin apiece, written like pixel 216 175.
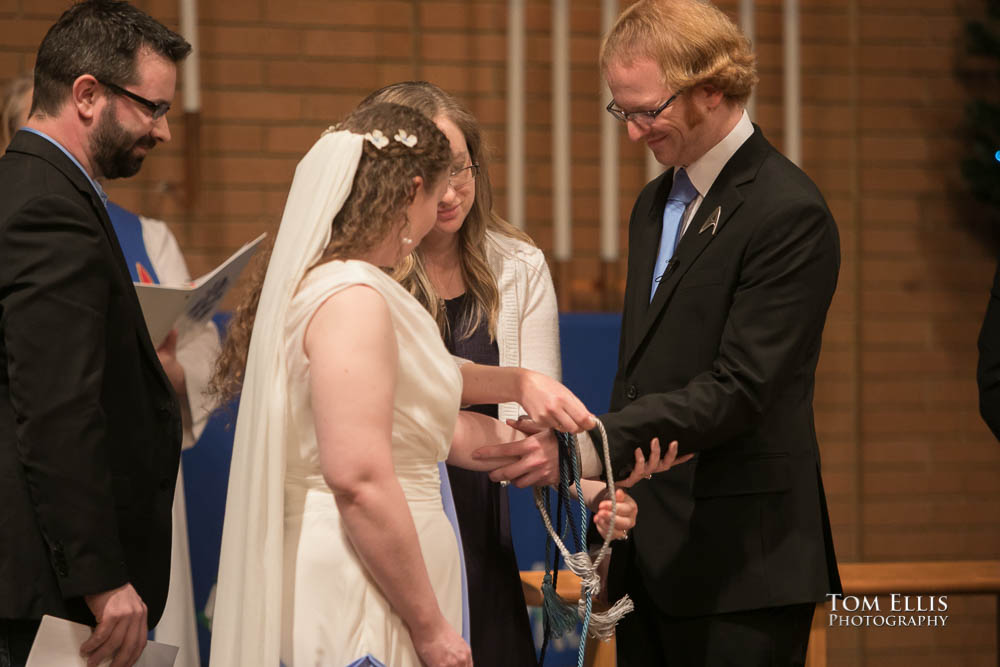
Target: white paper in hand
pixel 58 643
pixel 163 305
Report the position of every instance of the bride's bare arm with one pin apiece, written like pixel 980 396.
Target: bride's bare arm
pixel 353 380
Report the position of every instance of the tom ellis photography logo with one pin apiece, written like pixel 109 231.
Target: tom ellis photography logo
pixel 894 611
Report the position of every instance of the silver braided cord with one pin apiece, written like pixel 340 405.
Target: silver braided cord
pixel 601 624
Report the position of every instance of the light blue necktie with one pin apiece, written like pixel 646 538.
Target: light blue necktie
pixel 681 194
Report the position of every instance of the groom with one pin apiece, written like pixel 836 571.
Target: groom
pixel 733 261
pixel 732 266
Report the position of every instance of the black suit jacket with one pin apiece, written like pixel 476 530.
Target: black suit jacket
pixel 988 368
pixel 90 429
pixel 723 360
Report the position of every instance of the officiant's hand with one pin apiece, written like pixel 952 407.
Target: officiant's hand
pixel 551 404
pixel 121 627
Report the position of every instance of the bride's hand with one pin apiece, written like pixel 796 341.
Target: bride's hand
pixel 526 425
pixel 537 461
pixel 551 404
pixel 444 647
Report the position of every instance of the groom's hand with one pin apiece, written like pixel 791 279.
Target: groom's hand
pixel 537 460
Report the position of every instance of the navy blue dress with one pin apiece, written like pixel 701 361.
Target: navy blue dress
pixel 500 630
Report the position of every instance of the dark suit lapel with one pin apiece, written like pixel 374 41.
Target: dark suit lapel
pixel 27 142
pixel 723 195
pixel 31 143
pixel 644 238
pixel 129 293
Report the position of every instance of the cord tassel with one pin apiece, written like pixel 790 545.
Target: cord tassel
pixel 562 617
pixel 602 623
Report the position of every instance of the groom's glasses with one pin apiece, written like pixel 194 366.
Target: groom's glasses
pixel 643 119
pixel 462 177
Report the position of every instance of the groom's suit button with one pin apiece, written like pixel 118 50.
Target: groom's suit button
pixel 631 392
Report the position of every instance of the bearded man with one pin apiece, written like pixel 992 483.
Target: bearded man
pixel 90 429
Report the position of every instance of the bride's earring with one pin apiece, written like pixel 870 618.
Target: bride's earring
pixel 405 238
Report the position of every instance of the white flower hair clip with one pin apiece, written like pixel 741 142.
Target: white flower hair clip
pixel 377 139
pixel 409 140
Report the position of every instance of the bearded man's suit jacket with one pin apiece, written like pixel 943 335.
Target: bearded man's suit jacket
pixel 90 429
pixel 723 361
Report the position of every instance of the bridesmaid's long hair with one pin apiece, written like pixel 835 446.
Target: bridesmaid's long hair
pixel 480 282
pixel 374 210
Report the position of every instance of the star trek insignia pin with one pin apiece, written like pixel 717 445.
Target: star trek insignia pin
pixel 713 221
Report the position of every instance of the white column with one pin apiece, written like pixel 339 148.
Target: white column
pixel 562 242
pixel 515 113
pixel 793 73
pixel 192 76
pixel 610 129
pixel 747 23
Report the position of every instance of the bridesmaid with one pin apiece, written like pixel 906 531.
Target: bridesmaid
pixel 488 287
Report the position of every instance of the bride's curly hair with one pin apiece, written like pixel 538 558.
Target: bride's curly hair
pixel 374 211
pixel 480 282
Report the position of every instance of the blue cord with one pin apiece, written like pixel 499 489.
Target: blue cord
pixel 566 441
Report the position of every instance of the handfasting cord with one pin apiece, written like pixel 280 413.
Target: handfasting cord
pixel 550 578
pixel 557 619
pixel 577 475
pixel 559 614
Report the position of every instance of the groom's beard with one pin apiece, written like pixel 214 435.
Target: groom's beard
pixel 114 149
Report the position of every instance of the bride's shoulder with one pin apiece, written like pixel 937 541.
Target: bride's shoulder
pixel 324 280
pixel 341 272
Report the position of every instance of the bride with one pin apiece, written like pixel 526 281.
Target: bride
pixel 335 545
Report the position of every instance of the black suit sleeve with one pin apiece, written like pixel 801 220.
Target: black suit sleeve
pixel 54 308
pixel 988 369
pixel 786 281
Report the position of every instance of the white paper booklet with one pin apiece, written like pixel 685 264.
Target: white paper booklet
pixel 164 305
pixel 58 643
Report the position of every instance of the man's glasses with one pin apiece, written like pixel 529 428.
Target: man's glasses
pixel 463 176
pixel 157 110
pixel 643 119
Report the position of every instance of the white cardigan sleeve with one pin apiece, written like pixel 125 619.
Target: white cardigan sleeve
pixel 539 318
pixel 528 324
pixel 198 344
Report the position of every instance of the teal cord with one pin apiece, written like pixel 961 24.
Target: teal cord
pixel 577 474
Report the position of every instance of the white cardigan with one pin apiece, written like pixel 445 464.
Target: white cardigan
pixel 528 322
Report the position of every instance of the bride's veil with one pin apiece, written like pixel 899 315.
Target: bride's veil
pixel 246 625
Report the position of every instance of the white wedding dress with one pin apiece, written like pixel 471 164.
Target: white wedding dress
pixel 332 611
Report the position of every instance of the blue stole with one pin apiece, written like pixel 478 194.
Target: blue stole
pixel 128 229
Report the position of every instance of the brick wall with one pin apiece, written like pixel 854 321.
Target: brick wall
pixel 910 470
